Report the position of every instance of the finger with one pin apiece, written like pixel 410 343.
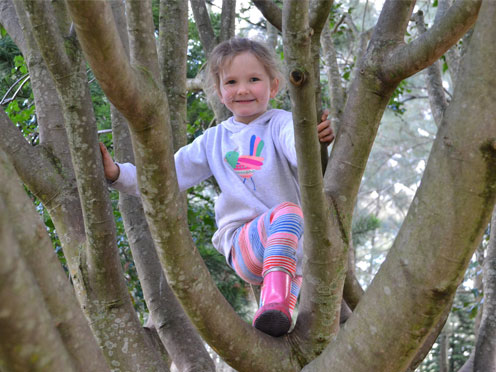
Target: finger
pixel 327 139
pixel 325 114
pixel 324 125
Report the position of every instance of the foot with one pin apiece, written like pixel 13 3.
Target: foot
pixel 273 319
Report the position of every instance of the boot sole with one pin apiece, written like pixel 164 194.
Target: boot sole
pixel 273 322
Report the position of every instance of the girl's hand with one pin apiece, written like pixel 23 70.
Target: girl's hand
pixel 324 129
pixel 110 169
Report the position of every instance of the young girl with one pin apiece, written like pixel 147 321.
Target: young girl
pixel 252 156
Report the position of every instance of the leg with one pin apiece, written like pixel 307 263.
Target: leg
pixel 265 250
pixel 281 285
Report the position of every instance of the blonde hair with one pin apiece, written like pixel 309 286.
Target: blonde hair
pixel 227 50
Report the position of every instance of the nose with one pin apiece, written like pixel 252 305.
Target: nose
pixel 242 88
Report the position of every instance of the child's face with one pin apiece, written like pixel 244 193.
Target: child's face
pixel 246 87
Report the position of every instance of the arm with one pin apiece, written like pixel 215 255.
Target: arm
pixel 191 168
pixel 287 139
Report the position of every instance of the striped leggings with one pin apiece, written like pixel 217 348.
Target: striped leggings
pixel 269 242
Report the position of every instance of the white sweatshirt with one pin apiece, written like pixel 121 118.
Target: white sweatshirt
pixel 250 183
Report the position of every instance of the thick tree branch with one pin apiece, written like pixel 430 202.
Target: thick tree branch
pixel 10 22
pixel 424 267
pixel 37 254
pixel 105 290
pixel 318 14
pixel 393 21
pixel 173 46
pixel 30 162
pixel 142 46
pixel 186 272
pixel 43 20
pixel 485 348
pixel 21 351
pixel 270 11
pixel 204 26
pixel 408 59
pixel 108 58
pixel 228 16
pixel 323 265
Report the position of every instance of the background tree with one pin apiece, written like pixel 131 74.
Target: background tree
pixel 430 253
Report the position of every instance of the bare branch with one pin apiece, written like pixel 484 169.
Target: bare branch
pixel 31 164
pixel 194 85
pixel 318 14
pixel 173 46
pixel 42 20
pixel 320 303
pixel 437 98
pixel 142 45
pixel 9 20
pixel 228 16
pixel 393 21
pixel 270 11
pixel 108 59
pixel 408 59
pixel 204 26
pixel 57 293
pixel 485 348
pixel 432 264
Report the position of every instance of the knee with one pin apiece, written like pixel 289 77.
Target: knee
pixel 287 216
pixel 286 208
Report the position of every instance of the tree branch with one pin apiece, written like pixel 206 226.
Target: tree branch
pixel 186 272
pixel 105 290
pixel 324 264
pixel 423 269
pixel 173 46
pixel 270 11
pixel 228 16
pixel 142 46
pixel 37 254
pixel 108 58
pixel 204 26
pixel 43 22
pixel 318 13
pixel 485 348
pixel 10 22
pixel 437 98
pixel 30 162
pixel 408 59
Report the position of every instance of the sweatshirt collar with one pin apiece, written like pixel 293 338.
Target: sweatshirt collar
pixel 235 126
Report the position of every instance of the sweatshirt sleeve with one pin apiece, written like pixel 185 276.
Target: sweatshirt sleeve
pixel 287 138
pixel 192 164
pixel 191 168
pixel 127 181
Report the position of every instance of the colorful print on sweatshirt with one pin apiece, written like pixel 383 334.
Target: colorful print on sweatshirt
pixel 246 165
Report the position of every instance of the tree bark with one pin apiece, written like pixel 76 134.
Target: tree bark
pixel 184 268
pixel 47 330
pixel 458 155
pixel 324 264
pixel 485 348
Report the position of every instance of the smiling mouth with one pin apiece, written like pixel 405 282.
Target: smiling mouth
pixel 244 101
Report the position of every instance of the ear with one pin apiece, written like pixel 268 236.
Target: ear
pixel 274 87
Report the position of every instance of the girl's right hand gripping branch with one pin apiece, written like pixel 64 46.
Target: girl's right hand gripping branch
pixel 110 169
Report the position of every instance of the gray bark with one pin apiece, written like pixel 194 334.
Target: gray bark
pixel 485 348
pixel 444 252
pixel 324 264
pixel 47 330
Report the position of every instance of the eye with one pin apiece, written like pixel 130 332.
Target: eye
pixel 230 82
pixel 253 79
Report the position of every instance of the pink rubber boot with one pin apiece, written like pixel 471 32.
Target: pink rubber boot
pixel 274 317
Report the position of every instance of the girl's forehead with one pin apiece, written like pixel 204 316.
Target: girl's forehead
pixel 242 62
